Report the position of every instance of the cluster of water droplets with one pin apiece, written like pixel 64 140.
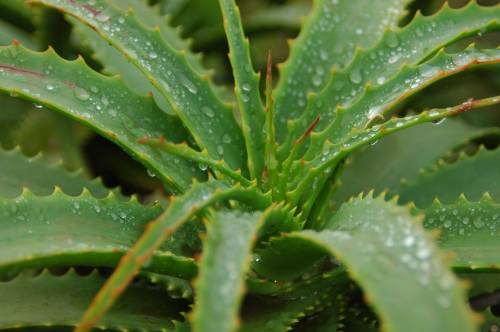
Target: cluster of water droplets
pixel 466 220
pixel 409 246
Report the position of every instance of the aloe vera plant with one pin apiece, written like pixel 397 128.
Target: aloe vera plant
pixel 278 210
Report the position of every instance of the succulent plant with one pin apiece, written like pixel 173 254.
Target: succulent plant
pixel 279 212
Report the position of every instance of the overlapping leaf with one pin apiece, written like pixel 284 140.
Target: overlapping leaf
pixel 246 87
pixel 49 301
pixel 377 65
pixel 179 211
pixel 191 96
pixel 470 230
pixel 447 181
pixel 60 230
pixel 329 38
pixel 41 177
pixel 102 103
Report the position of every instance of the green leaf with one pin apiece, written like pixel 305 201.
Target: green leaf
pixel 448 181
pixel 225 261
pixel 102 103
pixel 246 88
pixel 374 66
pixel 9 32
pixel 332 154
pixel 53 301
pixel 41 177
pixel 279 313
pixel 378 101
pixel 190 95
pixel 377 168
pixel 116 63
pixel 470 230
pixel 60 230
pixel 328 39
pixel 388 253
pixel 181 209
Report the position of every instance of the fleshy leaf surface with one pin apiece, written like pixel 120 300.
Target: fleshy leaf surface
pixel 388 253
pixel 103 103
pixel 328 39
pixel 447 181
pixel 61 230
pixel 191 96
pixel 181 209
pixel 41 177
pixel 225 261
pixel 53 301
pixel 246 87
pixel 470 230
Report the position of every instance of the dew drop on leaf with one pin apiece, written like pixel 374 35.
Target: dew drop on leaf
pixel 81 93
pixel 208 111
pixel 355 76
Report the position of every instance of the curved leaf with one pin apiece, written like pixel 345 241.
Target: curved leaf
pixel 60 230
pixel 448 181
pixel 327 40
pixel 391 257
pixel 376 65
pixel 377 168
pixel 225 261
pixel 191 96
pixel 116 63
pixel 279 313
pixel 180 210
pixel 41 177
pixel 470 230
pixel 334 153
pixel 58 301
pixel 102 103
pixel 246 87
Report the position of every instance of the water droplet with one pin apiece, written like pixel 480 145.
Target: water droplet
pixel 226 138
pixel 81 93
pixel 208 111
pixel 428 71
pixel 203 166
pixel 380 80
pixel 189 85
pixel 245 98
pixel 150 173
pixel 359 31
pixel 121 20
pixel 38 106
pixel 424 252
pixel 409 241
pixel 94 89
pixel 356 76
pixel 153 55
pixel 50 87
pixel 317 80
pixel 439 121
pixel 392 40
pixel 447 223
pixel 394 58
pixel 478 223
pixel 462 59
pixel 220 150
pixel 375 112
pixel 246 87
pixel 102 17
